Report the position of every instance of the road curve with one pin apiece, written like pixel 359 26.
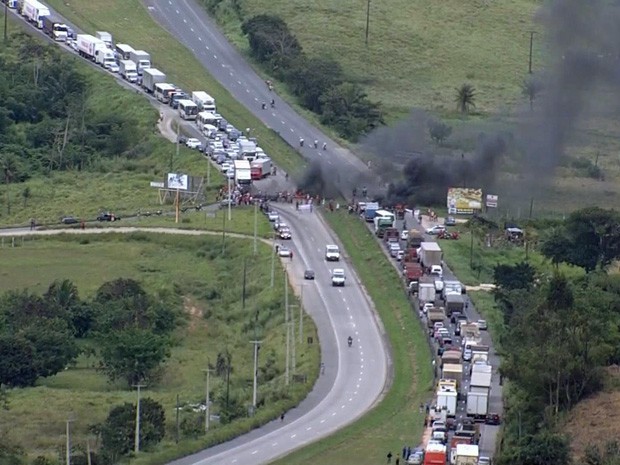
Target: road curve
pixel 191 25
pixel 354 379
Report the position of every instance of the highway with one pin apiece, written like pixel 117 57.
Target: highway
pixel 191 25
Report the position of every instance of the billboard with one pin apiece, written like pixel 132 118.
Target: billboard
pixel 177 181
pixel 464 200
pixel 492 201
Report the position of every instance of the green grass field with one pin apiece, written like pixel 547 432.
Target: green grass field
pixel 396 420
pixel 128 21
pixel 36 417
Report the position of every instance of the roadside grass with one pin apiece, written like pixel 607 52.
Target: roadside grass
pixel 36 416
pixel 396 420
pixel 417 52
pixel 129 22
pixel 485 305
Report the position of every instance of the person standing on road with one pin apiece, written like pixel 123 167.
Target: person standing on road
pixel 316 144
pixel 301 141
pixel 324 145
pixel 264 105
pixel 282 417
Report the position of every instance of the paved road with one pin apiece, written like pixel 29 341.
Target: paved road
pixel 354 378
pixel 191 25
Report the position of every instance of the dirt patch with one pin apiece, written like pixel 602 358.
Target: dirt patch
pixel 194 313
pixel 595 420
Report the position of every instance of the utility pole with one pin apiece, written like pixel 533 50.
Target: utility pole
pixel 255 377
pixel 6 19
pixel 89 459
pixel 531 207
pixel 177 149
pixel 227 378
pixel 178 425
pixel 207 397
pixel 367 21
pixel 273 259
pixel 137 436
pixel 245 266
pixel 229 199
pixel 223 232
pixel 68 443
pixel 471 249
pixel 288 329
pixel 255 227
pixel 208 173
pixel 301 314
pixel 293 349
pixel 531 50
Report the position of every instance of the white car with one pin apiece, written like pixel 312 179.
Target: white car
pixel 193 143
pixel 273 216
pixel 338 277
pixel 332 253
pixel 114 67
pixel 284 252
pixel 404 235
pixel 226 167
pixel 436 270
pixel 427 306
pixel 435 230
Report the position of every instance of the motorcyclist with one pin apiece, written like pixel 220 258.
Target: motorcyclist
pixel 350 341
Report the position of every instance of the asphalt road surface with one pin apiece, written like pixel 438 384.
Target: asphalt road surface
pixel 353 379
pixel 191 25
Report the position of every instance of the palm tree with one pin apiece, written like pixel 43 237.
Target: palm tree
pixel 465 98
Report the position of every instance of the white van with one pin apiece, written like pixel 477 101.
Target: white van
pixel 332 253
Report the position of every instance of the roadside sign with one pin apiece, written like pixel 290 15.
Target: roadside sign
pixel 491 201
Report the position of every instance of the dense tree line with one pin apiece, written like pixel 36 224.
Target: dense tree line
pixel 125 327
pixel 559 334
pixel 46 122
pixel 319 83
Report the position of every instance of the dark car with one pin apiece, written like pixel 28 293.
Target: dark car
pixel 450 221
pixel 107 216
pixel 493 419
pixel 69 220
pixel 308 274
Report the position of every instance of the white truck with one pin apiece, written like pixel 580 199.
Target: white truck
pixel 204 101
pixel 447 398
pixel 142 60
pixel 243 174
pixel 123 52
pixel 332 253
pixel 150 77
pixel 34 11
pixel 95 49
pixel 430 254
pixel 106 37
pixel 426 293
pixel 128 70
pixel 466 454
pixel 481 375
pixel 477 402
pixel 11 3
pixel 163 91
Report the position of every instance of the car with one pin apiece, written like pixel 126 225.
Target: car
pixel 230 174
pixel 400 255
pixel 193 143
pixel 73 44
pixel 284 251
pixel 427 306
pixel 493 419
pixel 284 233
pixel 308 274
pixel 226 166
pixel 332 253
pixel 404 235
pixel 482 460
pixel 107 216
pixel 226 201
pixel 113 67
pixel 69 220
pixel 416 457
pixel 436 270
pixel 437 325
pixel 482 325
pixel 450 221
pixel 277 224
pixel 338 277
pixel 273 216
pixel 435 230
pixel 467 354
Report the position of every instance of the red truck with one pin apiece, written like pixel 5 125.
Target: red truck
pixel 391 235
pixel 260 168
pixel 413 271
pixel 435 454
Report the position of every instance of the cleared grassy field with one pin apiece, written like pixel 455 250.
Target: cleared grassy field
pixel 128 21
pixel 418 51
pixel 396 420
pixel 36 417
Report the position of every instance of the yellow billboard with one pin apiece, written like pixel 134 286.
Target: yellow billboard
pixel 464 200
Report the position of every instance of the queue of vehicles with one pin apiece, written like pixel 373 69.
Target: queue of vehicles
pixel 238 155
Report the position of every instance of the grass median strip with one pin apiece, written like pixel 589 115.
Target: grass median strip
pixel 395 421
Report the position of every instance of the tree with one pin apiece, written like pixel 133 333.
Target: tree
pixel 530 88
pixel 311 78
pixel 64 295
pixel 17 361
pixel 465 98
pixel 544 449
pixel 54 346
pixel 10 453
pixel 133 354
pixel 26 194
pixel 510 277
pixel 439 131
pixel 271 40
pixel 118 430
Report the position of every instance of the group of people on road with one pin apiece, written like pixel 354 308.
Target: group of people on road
pixel 316 143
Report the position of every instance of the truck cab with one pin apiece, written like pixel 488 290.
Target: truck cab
pixel 332 253
pixel 338 277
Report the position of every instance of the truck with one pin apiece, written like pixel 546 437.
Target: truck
pixel 123 52
pixel 480 378
pixel 243 172
pixel 94 49
pixel 412 271
pixel 454 303
pixel 260 168
pixel 435 454
pixel 371 211
pixel 34 11
pixel 451 356
pixel 430 254
pixel 246 148
pixel 479 354
pixel 106 37
pixel 381 224
pixel 204 101
pixel 163 91
pixel 447 398
pixel 453 371
pixel 142 60
pixel 415 238
pixel 452 287
pixel 55 29
pixel 391 235
pixel 11 3
pixel 150 77
pixel 128 70
pixel 467 454
pixel 426 293
pixel 477 402
pixel 435 315
pixel 454 442
pixel 176 97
